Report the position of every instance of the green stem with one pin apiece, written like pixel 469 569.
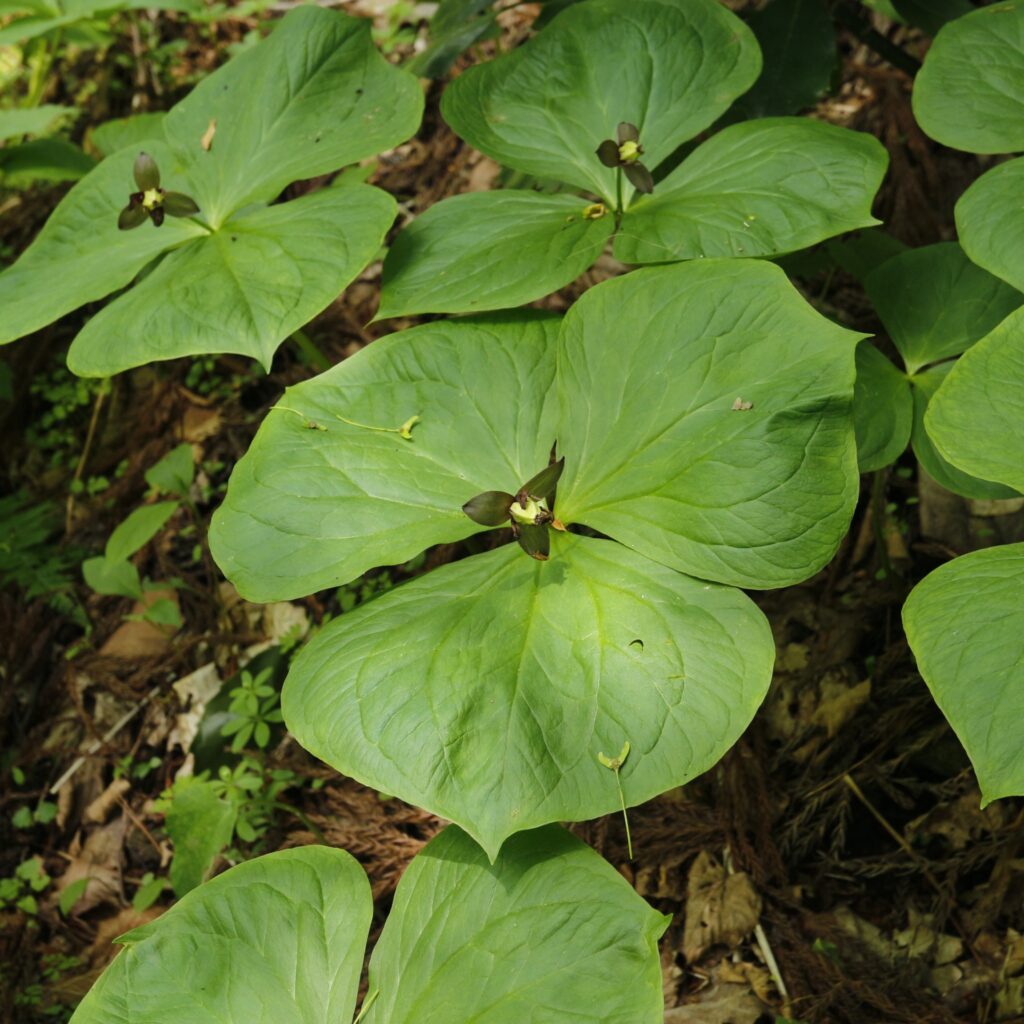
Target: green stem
pixel 369 1002
pixel 311 354
pixel 618 198
pixel 625 815
pixel 853 21
pixel 41 68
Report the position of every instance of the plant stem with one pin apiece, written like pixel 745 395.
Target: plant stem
pixel 311 354
pixel 625 815
pixel 90 434
pixel 854 22
pixel 618 198
pixel 366 1005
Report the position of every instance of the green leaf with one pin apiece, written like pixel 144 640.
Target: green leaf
pixel 970 92
pixel 655 369
pixel 798 45
pixel 33 120
pixel 924 385
pixel 935 303
pixel 331 99
pixel 455 26
pixel 548 932
pixel 551 932
pixel 965 624
pixel 883 410
pixel 976 418
pixel 138 529
pixel 80 256
pixel 931 15
pixel 200 825
pixel 276 939
pixel 757 189
pixel 242 289
pixel 137 131
pixel 71 895
pixel 308 509
pixel 174 473
pixel 990 222
pixel 114 577
pixel 484 691
pixel 148 892
pixel 43 160
pixel 490 250
pixel 545 107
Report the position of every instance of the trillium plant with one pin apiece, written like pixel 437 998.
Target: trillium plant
pixel 486 690
pixel 244 272
pixel 616 478
pixel 965 622
pixel 610 90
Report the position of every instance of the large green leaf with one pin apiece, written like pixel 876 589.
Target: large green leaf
pixel 655 370
pixel 547 933
pixel 883 410
pixel 490 250
pixel 310 508
pixel 80 255
pixel 550 934
pixel 976 418
pixel 545 107
pixel 137 130
pixel 798 43
pixel 276 939
pixel 935 303
pixel 33 120
pixel 757 189
pixel 244 288
pixel 43 160
pixel 485 691
pixel 924 385
pixel 965 624
pixel 990 221
pixel 312 97
pixel 970 92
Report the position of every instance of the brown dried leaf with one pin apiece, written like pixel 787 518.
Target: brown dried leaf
pixel 99 860
pixel 103 806
pixel 720 908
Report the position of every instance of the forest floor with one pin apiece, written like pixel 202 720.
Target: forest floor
pixel 835 867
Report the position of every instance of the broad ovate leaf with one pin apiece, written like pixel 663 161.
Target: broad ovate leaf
pixel 798 43
pixel 976 418
pixel 923 387
pixel 669 69
pixel 550 932
pixel 484 691
pixel 965 624
pixel 244 288
pixel 39 120
pixel 275 939
pixel 706 421
pixel 757 189
pixel 313 97
pixel 970 92
pixel 990 222
pixel 80 255
pixel 491 250
pixel 883 410
pixel 935 303
pixel 331 488
pixel 137 130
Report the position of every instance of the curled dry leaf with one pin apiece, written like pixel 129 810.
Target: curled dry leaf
pixel 720 909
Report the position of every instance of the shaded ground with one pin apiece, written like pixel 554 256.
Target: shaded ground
pixel 835 867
